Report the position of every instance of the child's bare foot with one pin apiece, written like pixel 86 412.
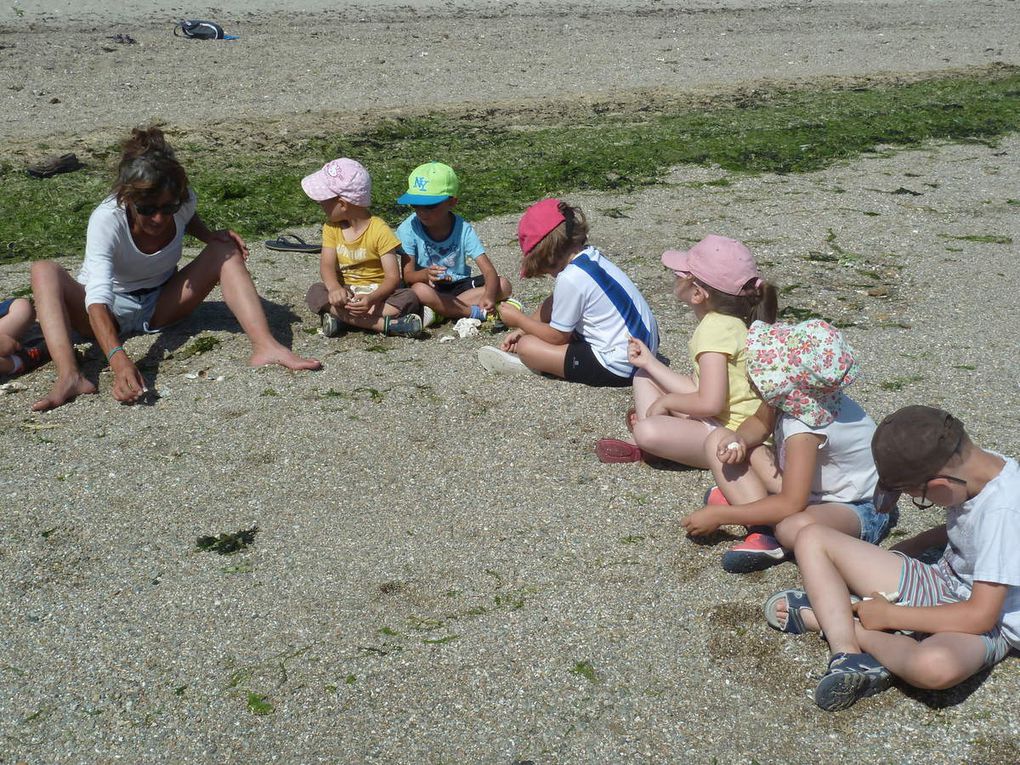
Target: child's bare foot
pixel 64 391
pixel 631 419
pixel 283 357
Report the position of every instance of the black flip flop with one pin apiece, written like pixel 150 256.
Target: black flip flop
pixel 291 243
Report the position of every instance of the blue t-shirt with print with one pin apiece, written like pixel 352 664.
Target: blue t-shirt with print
pixel 452 253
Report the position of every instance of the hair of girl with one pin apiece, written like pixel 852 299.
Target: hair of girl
pixel 564 240
pixel 148 168
pixel 759 302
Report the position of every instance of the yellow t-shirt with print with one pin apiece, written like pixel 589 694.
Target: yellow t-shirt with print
pixel 719 333
pixel 360 261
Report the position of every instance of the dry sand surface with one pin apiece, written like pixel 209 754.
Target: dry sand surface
pixel 442 570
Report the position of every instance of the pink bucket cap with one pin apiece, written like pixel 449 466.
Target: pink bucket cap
pixel 342 178
pixel 721 263
pixel 801 369
pixel 536 223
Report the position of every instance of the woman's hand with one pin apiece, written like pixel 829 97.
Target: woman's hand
pixel 128 384
pixel 231 237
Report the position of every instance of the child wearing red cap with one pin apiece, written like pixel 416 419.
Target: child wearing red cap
pixel 932 625
pixel 580 333
pixel 359 264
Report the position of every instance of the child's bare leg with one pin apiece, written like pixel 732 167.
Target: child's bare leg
pixel 681 439
pixel 833 565
pixel 541 356
pixel 831 514
pixel 747 481
pixel 60 305
pixel 939 661
pixel 19 317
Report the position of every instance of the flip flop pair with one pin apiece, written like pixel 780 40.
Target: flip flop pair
pixel 291 243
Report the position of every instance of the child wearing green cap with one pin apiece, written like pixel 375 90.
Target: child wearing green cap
pixel 439 243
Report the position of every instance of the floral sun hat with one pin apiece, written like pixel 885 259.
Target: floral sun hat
pixel 801 369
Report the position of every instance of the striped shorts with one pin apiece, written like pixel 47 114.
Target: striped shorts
pixel 927 584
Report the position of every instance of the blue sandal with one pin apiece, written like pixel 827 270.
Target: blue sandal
pixel 796 601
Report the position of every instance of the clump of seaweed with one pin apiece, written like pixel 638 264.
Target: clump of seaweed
pixel 227 543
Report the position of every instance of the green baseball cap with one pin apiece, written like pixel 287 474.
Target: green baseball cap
pixel 430 184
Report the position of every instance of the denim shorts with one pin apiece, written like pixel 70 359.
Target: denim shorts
pixel 875 526
pixel 133 310
pixel 924 585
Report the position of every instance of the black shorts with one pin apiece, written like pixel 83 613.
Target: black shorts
pixel 581 366
pixel 459 286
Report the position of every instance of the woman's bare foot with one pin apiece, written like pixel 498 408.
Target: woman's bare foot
pixel 284 357
pixel 64 391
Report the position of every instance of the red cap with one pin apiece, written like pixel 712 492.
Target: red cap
pixel 536 223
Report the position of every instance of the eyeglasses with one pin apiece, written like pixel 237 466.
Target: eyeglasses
pixel 922 502
pixel 147 211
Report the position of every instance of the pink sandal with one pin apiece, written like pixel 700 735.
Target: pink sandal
pixel 614 450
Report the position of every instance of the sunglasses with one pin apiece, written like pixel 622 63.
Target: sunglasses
pixel 147 211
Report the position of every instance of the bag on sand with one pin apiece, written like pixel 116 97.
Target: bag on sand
pixel 201 30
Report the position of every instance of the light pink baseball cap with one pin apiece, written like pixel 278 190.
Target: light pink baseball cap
pixel 717 261
pixel 342 178
pixel 536 223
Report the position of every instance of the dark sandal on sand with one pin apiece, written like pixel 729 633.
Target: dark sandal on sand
pixel 613 450
pixel 291 243
pixel 67 163
pixel 796 601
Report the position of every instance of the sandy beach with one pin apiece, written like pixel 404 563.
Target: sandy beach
pixel 442 569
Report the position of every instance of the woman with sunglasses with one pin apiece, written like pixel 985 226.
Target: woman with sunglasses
pixel 130 281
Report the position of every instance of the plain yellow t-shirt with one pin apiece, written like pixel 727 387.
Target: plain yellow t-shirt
pixel 719 333
pixel 360 261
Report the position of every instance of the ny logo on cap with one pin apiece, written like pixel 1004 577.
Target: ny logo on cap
pixel 421 182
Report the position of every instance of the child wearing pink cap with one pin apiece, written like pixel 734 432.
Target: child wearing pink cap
pixel 580 333
pixel 675 415
pixel 822 439
pixel 360 263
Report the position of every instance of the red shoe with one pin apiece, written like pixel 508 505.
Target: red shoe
pixel 613 450
pixel 33 357
pixel 757 551
pixel 714 496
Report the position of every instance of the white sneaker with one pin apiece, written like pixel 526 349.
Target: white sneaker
pixel 429 317
pixel 500 362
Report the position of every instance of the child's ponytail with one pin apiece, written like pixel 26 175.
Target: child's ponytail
pixel 758 301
